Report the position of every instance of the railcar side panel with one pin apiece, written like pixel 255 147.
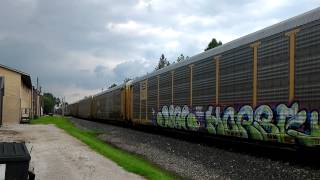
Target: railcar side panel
pixel 308 66
pixel 107 106
pixel 136 102
pixel 266 90
pixel 166 97
pixel 181 86
pixel 204 83
pixel 273 70
pixel 152 97
pixel 236 77
pixel 84 108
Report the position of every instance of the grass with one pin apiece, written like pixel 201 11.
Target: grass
pixel 130 162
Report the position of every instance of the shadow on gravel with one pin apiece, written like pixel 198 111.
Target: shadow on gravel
pixel 292 155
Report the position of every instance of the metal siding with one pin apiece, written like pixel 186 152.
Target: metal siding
pixel 85 108
pixel 273 70
pixel 136 100
pixel 307 75
pixel 152 96
pixel 236 76
pixel 107 106
pixel 181 88
pixel 165 89
pixel 204 82
pixel 115 100
pixel 100 109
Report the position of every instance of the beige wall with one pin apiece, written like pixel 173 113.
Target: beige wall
pixel 25 94
pixel 16 95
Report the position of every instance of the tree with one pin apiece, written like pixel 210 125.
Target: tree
pixel 57 101
pixel 180 58
pixel 163 62
pixel 214 43
pixel 112 85
pixel 49 101
pixel 126 80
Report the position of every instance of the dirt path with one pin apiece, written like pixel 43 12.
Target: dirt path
pixel 58 156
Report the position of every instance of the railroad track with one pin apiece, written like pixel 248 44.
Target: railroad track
pixel 201 157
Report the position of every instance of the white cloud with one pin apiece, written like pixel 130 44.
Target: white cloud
pixel 262 8
pixel 71 93
pixel 134 28
pixel 189 20
pixel 86 60
pixel 143 4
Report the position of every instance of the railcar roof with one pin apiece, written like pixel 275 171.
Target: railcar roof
pixel 274 29
pixel 109 90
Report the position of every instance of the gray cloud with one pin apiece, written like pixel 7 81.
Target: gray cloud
pixel 77 47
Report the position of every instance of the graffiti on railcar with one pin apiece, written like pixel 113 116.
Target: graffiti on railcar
pixel 286 124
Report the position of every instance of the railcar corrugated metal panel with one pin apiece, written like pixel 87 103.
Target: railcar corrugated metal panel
pixel 204 82
pixel 99 106
pixel 115 100
pixel 283 26
pixel 143 107
pixel 273 69
pixel 236 76
pixel 136 100
pixel 152 96
pixel 107 105
pixel 181 86
pixel 85 108
pixel 308 65
pixel 165 89
pixel 73 110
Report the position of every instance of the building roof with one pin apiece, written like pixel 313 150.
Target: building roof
pixel 25 77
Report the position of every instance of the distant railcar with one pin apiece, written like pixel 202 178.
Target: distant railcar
pixel 264 86
pixel 109 105
pixel 85 108
pixel 73 108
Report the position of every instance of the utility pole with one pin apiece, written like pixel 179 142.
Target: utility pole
pixel 63 105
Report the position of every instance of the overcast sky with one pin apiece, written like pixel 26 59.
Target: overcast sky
pixel 78 47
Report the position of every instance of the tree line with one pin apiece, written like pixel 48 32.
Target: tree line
pixel 50 101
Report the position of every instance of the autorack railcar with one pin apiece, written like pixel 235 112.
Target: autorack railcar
pixel 110 104
pixel 264 86
pixel 85 108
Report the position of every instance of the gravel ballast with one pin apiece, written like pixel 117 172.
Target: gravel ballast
pixel 197 160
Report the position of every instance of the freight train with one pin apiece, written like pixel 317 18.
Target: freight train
pixel 264 86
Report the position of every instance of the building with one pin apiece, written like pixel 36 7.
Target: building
pixel 36 102
pixel 15 95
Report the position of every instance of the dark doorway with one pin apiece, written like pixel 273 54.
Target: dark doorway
pixel 1 97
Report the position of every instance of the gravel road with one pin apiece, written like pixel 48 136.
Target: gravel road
pixel 56 155
pixel 194 159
